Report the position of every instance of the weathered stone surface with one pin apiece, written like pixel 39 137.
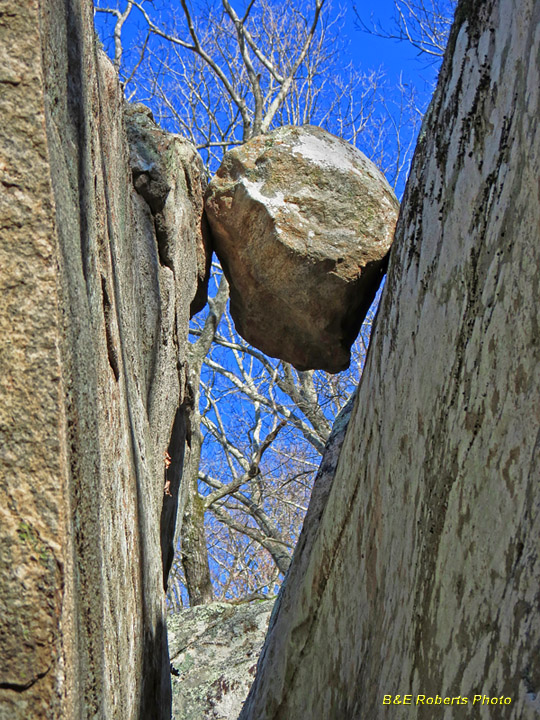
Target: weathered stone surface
pixel 33 472
pixel 168 173
pixel 93 323
pixel 421 576
pixel 302 222
pixel 214 651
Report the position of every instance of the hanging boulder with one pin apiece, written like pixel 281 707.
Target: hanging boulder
pixel 302 223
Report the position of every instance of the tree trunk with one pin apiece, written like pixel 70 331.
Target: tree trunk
pixel 195 552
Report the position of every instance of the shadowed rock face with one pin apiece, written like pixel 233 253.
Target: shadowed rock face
pixel 168 173
pixel 302 223
pixel 420 572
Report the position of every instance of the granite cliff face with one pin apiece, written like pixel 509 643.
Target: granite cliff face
pixel 420 573
pixel 100 260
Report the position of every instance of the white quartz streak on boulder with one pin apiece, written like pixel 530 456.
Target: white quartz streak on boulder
pixel 302 223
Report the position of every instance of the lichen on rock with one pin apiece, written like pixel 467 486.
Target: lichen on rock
pixel 302 222
pixel 214 651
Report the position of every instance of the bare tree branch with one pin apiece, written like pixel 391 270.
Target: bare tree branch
pixel 425 24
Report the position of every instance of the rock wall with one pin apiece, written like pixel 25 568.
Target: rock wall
pixel 97 275
pixel 421 576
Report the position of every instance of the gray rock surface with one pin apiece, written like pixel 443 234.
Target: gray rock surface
pixel 214 651
pixel 168 173
pixel 96 288
pixel 302 222
pixel 420 574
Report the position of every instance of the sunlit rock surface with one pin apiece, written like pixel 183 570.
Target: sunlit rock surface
pixel 214 651
pixel 93 326
pixel 302 222
pixel 421 573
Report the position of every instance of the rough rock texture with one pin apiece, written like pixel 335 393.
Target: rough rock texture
pixel 302 222
pixel 421 576
pixel 168 173
pixel 214 651
pixel 96 283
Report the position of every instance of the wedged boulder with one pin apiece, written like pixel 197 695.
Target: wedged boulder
pixel 302 223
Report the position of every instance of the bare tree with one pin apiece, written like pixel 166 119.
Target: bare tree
pixel 259 431
pixel 245 52
pixel 221 78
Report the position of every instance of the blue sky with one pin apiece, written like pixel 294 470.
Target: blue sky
pixel 364 48
pixel 398 61
pixel 369 50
